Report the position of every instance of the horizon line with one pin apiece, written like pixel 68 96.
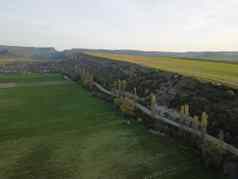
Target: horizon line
pixel 119 49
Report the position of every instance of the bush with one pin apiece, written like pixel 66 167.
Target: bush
pixel 213 155
pixel 117 101
pixel 204 121
pixel 127 106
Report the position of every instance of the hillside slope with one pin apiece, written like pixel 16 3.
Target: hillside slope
pixel 224 56
pixel 224 73
pixel 30 52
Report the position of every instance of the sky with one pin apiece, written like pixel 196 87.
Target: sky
pixel 160 25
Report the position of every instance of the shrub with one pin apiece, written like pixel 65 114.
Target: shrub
pixel 115 85
pixel 86 78
pixel 186 110
pixel 153 103
pixel 204 121
pixel 117 101
pixel 123 85
pixel 182 110
pixel 213 154
pixel 195 122
pixel 127 106
pixel 135 91
pixel 119 85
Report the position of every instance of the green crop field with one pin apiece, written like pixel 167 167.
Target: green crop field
pixel 61 131
pixel 225 73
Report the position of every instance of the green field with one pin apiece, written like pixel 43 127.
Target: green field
pixel 27 78
pixel 61 131
pixel 225 73
pixel 5 60
pixel 8 60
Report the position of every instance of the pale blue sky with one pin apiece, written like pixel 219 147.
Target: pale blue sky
pixel 165 25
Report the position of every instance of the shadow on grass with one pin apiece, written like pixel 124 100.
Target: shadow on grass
pixel 37 165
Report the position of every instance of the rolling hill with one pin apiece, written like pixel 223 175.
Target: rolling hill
pixel 50 53
pixel 30 52
pixel 224 56
pixel 224 73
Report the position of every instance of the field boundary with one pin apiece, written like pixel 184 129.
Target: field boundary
pixel 201 134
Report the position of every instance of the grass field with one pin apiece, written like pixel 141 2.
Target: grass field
pixel 27 78
pixel 61 131
pixel 224 73
pixel 5 60
pixel 8 60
